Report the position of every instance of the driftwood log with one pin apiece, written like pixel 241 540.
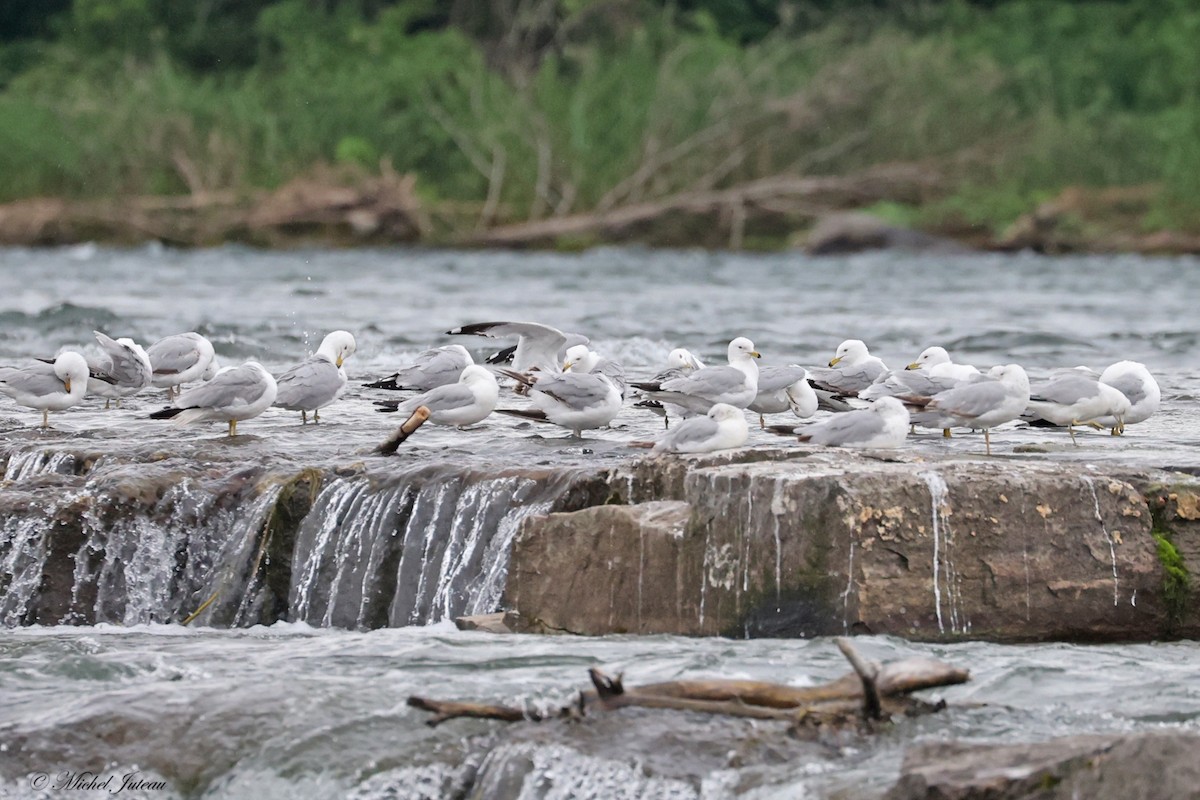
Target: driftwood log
pixel 404 431
pixel 871 693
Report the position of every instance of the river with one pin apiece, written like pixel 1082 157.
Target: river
pixel 300 709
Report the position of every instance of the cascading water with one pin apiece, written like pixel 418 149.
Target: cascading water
pixel 428 546
pixel 147 543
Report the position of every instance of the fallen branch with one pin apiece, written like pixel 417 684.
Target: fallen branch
pixel 872 691
pixel 404 431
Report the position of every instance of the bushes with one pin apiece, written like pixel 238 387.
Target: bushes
pixel 1011 102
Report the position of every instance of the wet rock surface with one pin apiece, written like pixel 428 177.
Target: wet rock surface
pixel 1158 766
pixel 754 542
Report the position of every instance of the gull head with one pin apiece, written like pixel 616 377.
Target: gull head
pixel 579 356
pixel 680 358
pixel 71 368
pixel 852 350
pixel 724 411
pixel 476 374
pixel 741 348
pixel 930 356
pixel 338 346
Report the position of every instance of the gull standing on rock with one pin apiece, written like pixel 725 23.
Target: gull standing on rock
pixel 735 385
pixel 851 370
pixel 1139 387
pixel 781 389
pixel 123 369
pixel 573 400
pixel 49 387
pixel 722 428
pixel 983 403
pixel 1073 398
pixel 440 366
pixel 318 380
pixel 233 395
pixel 460 404
pixel 179 359
pixel 883 425
pixel 680 363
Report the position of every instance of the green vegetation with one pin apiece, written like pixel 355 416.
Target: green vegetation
pixel 1177 587
pixel 525 109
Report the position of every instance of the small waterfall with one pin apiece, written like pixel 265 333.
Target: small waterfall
pixel 428 547
pixel 29 464
pixel 161 542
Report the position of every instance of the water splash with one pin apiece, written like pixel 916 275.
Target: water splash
pixel 29 464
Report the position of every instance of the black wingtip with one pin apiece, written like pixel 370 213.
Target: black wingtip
pixel 166 413
pixel 504 356
pixel 385 383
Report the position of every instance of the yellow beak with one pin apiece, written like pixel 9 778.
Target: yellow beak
pixel 833 362
pixel 756 354
pixel 67 383
pixel 566 367
pixel 339 361
pixel 913 365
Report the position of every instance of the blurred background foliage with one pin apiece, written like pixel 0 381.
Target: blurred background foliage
pixel 535 108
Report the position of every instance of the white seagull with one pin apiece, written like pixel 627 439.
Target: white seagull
pixel 235 394
pixel 123 368
pixel 883 425
pixel 439 366
pixel 460 404
pixel 735 384
pixel 49 387
pixel 317 380
pixel 179 359
pixel 722 428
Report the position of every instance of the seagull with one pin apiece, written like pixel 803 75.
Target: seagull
pixel 122 369
pixel 735 384
pixel 573 400
pixel 781 389
pixel 722 428
pixel 235 394
pixel 440 366
pixel 538 346
pixel 317 380
pixel 936 361
pixel 179 359
pixel 983 403
pixel 460 404
pixel 883 425
pixel 1073 398
pixel 851 370
pixel 680 362
pixel 1139 387
pixel 50 387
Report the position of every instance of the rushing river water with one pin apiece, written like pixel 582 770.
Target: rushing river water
pixel 296 711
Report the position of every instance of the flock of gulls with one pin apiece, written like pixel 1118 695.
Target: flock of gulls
pixel 564 382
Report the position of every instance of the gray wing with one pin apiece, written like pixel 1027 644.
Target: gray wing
pixel 849 380
pixel 537 345
pixel 708 382
pixel 774 379
pixel 1130 385
pixel 309 384
pixel 173 355
pixel 574 390
pixel 124 364
pixel 433 368
pixel 668 374
pixel 972 400
pixel 441 398
pixel 907 381
pixel 1067 389
pixel 690 431
pixel 36 379
pixel 238 386
pixel 848 428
